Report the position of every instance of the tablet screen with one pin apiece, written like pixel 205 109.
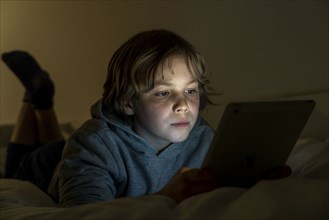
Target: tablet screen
pixel 254 137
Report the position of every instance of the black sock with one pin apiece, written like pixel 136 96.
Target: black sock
pixel 39 87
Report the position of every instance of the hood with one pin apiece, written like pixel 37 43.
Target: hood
pixel 99 111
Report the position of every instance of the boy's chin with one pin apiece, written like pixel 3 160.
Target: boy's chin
pixel 179 139
pixel 176 136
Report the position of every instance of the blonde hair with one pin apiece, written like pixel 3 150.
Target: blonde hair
pixel 133 67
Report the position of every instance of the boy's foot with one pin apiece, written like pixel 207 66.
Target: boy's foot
pixel 39 87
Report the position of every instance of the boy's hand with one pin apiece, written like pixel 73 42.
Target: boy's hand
pixel 189 182
pixel 277 173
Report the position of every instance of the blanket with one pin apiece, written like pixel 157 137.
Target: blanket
pixel 304 195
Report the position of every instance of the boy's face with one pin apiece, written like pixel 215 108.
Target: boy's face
pixel 169 111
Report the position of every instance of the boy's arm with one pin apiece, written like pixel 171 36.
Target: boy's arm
pixel 189 182
pixel 84 173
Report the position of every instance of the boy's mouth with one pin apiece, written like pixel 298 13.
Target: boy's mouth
pixel 179 124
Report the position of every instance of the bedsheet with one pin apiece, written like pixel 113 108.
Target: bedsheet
pixel 304 195
pixel 290 198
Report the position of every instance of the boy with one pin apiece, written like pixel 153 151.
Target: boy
pixel 145 135
pixel 144 130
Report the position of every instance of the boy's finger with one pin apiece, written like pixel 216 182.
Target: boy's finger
pixel 277 173
pixel 184 169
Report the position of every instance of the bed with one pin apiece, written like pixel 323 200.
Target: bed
pixel 304 195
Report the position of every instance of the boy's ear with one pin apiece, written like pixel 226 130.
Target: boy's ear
pixel 129 109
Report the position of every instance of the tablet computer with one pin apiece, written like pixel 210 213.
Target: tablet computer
pixel 255 137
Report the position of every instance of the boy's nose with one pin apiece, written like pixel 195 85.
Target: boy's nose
pixel 181 105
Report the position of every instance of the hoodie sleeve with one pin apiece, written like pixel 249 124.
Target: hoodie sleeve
pixel 88 171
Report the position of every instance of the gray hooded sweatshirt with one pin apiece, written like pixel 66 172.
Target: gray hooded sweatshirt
pixel 105 159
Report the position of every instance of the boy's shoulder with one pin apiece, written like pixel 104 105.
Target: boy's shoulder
pixel 99 126
pixel 94 131
pixel 92 128
pixel 94 125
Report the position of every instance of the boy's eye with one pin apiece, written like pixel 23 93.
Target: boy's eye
pixel 191 91
pixel 162 94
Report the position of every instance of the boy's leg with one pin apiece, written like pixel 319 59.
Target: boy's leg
pixel 39 87
pixel 24 139
pixel 37 162
pixel 26 127
pixel 38 166
pixel 48 126
pixel 39 92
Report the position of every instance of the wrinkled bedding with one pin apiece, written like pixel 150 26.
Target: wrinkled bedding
pixel 290 198
pixel 304 195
